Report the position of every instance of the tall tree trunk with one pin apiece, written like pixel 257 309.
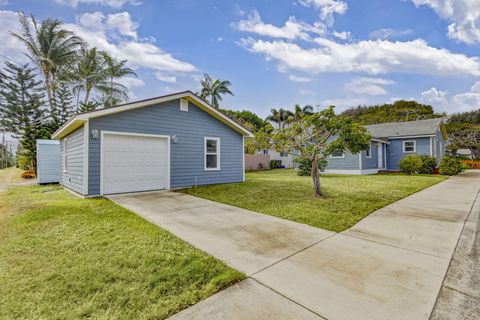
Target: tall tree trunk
pixel 48 87
pixel 87 95
pixel 316 178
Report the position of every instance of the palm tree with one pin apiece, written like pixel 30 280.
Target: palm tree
pixel 115 69
pixel 280 117
pixel 49 46
pixel 300 112
pixel 214 90
pixel 92 73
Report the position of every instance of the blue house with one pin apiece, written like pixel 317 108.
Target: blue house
pixel 166 142
pixel 390 143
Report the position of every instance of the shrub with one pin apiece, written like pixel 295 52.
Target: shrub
pixel 450 166
pixel 305 166
pixel 472 164
pixel 28 174
pixel 428 164
pixel 275 164
pixel 411 164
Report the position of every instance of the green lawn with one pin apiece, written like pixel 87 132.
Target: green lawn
pixel 62 257
pixel 347 199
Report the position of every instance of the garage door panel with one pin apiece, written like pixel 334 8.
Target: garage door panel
pixel 134 163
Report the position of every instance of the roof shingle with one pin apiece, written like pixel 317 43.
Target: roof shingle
pixel 400 129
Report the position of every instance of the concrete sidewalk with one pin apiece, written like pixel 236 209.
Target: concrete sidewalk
pixel 391 265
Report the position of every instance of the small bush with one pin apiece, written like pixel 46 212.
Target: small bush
pixel 305 166
pixel 275 164
pixel 28 174
pixel 450 166
pixel 411 164
pixel 472 164
pixel 428 164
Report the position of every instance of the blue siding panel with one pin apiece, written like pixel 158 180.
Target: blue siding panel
pixel 48 161
pixel 350 162
pixel 187 154
pixel 73 177
pixel 395 150
pixel 372 162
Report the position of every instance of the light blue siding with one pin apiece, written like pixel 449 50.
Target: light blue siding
pixel 372 162
pixel 350 162
pixel 186 154
pixel 48 161
pixel 395 150
pixel 72 176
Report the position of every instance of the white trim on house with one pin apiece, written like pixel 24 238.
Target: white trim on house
pixel 412 137
pixel 217 153
pixel 102 138
pixel 340 171
pixel 381 141
pixel 414 146
pixel 63 159
pixel 77 121
pixel 86 135
pixel 243 157
pixel 360 164
pixel 431 146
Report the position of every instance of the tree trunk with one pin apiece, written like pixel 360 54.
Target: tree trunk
pixel 316 178
pixel 87 95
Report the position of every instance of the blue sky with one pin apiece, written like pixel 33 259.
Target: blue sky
pixel 279 53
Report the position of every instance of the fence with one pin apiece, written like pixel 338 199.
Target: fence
pixel 256 161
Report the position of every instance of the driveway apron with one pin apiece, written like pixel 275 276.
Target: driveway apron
pixel 391 265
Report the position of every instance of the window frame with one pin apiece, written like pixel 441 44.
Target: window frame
pixel 205 153
pixel 368 152
pixel 338 157
pixel 414 146
pixel 283 154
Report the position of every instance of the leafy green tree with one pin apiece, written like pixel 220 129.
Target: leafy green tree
pixel 63 104
pixel 401 110
pixel 50 47
pixel 318 135
pixel 300 112
pixel 212 91
pixel 92 73
pixel 115 69
pixel 245 118
pixel 281 117
pixel 22 107
pixel 88 106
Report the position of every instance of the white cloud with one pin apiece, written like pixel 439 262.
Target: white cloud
pixel 131 82
pixel 295 78
pixel 97 31
pixel 327 8
pixel 344 35
pixel 165 78
pixel 372 57
pixel 457 103
pixel 292 29
pixel 387 33
pixel 110 3
pixel 463 16
pixel 345 103
pixel 11 47
pixel 368 86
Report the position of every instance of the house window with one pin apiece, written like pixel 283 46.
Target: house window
pixel 64 155
pixel 212 153
pixel 283 154
pixel 409 146
pixel 368 152
pixel 265 151
pixel 337 154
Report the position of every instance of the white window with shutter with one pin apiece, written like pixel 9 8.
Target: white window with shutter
pixel 409 146
pixel 212 153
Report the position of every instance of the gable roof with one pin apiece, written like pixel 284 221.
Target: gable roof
pixel 78 120
pixel 427 127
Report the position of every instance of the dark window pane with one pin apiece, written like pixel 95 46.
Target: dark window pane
pixel 337 154
pixel 211 146
pixel 211 161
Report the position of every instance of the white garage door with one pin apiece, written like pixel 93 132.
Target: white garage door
pixel 134 163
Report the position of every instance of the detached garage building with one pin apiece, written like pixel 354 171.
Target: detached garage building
pixel 166 142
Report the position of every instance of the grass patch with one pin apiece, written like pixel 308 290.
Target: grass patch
pixel 62 257
pixel 347 199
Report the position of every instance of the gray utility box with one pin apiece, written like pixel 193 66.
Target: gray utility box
pixel 48 161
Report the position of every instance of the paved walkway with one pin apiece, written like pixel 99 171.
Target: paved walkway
pixel 391 265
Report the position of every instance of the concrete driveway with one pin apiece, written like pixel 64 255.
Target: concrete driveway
pixel 391 265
